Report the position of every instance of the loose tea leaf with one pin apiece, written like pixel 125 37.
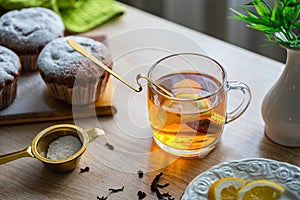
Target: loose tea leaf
pixel 155 188
pixel 163 186
pixel 168 196
pixel 140 173
pixel 86 169
pixel 155 181
pixel 141 195
pixel 109 146
pixel 111 192
pixel 101 198
pixel 116 190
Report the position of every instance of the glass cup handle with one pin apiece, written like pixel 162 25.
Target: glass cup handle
pixel 241 108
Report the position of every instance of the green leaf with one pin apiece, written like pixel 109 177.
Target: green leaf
pixel 277 14
pixel 289 12
pixel 265 22
pixel 291 3
pixel 251 3
pixel 296 12
pixel 251 14
pixel 282 2
pixel 296 24
pixel 267 5
pixel 285 2
pixel 238 13
pixel 262 9
pixel 263 28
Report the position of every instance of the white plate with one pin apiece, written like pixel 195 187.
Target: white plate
pixel 285 174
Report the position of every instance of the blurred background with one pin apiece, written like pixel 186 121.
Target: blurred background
pixel 212 17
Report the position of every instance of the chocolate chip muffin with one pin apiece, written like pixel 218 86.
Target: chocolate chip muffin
pixel 10 69
pixel 70 76
pixel 27 31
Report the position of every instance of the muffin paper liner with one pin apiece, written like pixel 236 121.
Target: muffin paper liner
pixel 78 95
pixel 8 94
pixel 29 62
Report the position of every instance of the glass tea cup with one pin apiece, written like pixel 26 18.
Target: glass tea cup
pixel 190 122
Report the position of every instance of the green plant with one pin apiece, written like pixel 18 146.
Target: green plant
pixel 281 24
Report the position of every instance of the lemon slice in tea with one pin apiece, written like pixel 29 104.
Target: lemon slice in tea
pixel 225 188
pixel 260 190
pixel 204 104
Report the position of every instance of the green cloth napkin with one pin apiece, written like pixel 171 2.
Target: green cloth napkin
pixel 77 15
pixel 18 4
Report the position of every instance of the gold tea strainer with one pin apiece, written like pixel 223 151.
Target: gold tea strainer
pixel 40 144
pixel 81 50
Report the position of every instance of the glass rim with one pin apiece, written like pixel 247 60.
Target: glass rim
pixel 224 77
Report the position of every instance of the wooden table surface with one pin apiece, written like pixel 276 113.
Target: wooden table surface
pixel 128 130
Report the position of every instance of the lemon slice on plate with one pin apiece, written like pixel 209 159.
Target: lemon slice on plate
pixel 225 188
pixel 260 190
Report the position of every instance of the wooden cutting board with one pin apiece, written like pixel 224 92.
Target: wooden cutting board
pixel 34 103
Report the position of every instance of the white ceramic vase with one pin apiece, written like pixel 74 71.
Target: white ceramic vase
pixel 281 105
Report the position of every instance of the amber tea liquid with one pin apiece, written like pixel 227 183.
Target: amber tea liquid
pixel 187 125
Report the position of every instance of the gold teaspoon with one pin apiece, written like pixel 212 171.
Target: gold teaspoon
pixel 85 53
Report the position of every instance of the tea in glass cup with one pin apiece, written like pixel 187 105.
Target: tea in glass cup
pixel 191 121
